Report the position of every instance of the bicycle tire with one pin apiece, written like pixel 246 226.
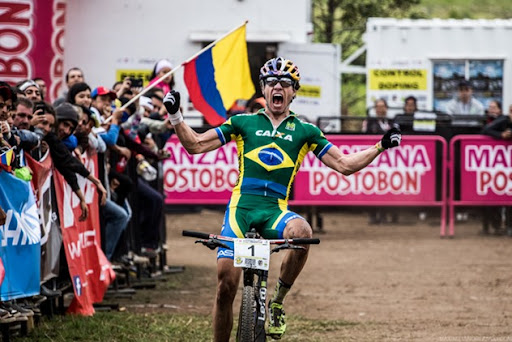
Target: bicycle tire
pixel 247 316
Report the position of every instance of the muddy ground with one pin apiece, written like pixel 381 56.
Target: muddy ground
pixel 399 282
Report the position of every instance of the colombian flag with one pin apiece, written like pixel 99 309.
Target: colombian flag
pixel 219 76
pixel 7 157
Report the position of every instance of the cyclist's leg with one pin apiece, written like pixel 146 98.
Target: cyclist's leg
pixel 228 277
pixel 295 260
pixel 289 225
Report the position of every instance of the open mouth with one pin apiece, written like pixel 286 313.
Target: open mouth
pixel 277 99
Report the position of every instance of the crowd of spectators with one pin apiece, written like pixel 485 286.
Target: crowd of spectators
pixel 129 145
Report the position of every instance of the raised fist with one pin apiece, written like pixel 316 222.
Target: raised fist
pixel 392 137
pixel 172 102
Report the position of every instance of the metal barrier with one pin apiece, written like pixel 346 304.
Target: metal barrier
pixel 411 175
pixel 480 173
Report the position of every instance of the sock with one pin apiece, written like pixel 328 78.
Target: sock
pixel 280 291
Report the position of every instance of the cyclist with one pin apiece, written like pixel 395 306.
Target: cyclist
pixel 271 146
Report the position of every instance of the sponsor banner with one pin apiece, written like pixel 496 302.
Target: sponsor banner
pixel 397 176
pixel 485 169
pixel 89 269
pixel 32 35
pixel 20 237
pixel 206 178
pixel 51 239
pixel 407 173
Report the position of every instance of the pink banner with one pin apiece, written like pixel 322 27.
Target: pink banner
pixel 485 170
pixel 202 178
pixel 402 176
pixel 32 35
pixel 399 176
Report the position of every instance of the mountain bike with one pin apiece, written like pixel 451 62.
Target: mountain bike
pixel 252 254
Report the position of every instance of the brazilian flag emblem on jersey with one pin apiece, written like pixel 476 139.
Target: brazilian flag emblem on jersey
pixel 270 157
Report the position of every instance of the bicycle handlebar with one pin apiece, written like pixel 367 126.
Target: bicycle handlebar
pixel 205 236
pixel 198 235
pixel 304 241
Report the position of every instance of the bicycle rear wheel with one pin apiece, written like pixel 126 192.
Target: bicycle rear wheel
pixel 247 316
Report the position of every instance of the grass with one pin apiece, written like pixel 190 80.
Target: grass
pixel 128 327
pixel 474 9
pixel 145 319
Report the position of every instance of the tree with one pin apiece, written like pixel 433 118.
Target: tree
pixel 344 22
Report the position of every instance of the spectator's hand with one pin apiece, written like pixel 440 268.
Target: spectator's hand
pixel 103 193
pixel 163 154
pixel 85 211
pixel 37 118
pixel 44 147
pixel 172 102
pixel 117 116
pixel 124 151
pixel 4 127
pixel 392 137
pixel 125 86
pixel 506 135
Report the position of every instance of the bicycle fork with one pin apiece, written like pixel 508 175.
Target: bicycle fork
pixel 261 306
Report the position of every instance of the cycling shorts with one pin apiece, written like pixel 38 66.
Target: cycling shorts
pixel 267 214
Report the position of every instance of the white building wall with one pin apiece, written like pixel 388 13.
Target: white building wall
pixel 99 33
pixel 390 40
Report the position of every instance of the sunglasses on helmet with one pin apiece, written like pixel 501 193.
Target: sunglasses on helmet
pixel 284 81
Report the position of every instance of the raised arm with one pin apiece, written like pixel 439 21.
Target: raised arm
pixel 192 141
pixel 348 164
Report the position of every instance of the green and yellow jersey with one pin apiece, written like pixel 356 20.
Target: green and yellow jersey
pixel 269 157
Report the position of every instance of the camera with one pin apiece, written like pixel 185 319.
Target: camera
pixel 136 82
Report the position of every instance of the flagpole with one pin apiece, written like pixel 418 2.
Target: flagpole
pixel 152 85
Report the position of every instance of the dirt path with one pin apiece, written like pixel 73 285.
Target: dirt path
pixel 398 283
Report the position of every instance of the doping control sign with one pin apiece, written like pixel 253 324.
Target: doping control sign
pixel 397 79
pixel 394 80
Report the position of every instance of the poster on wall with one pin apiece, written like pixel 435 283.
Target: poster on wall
pixel 447 75
pixel 394 81
pixel 485 76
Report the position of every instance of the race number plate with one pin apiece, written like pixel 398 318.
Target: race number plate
pixel 252 253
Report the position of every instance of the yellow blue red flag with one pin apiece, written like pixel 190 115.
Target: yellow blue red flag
pixel 7 157
pixel 219 76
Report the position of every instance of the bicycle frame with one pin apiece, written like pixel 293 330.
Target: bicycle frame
pixel 256 291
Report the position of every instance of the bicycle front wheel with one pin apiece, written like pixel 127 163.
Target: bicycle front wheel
pixel 247 316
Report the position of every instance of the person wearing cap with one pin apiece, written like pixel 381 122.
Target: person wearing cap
pixel 102 98
pixel 65 162
pixel 465 103
pixel 31 90
pixel 161 68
